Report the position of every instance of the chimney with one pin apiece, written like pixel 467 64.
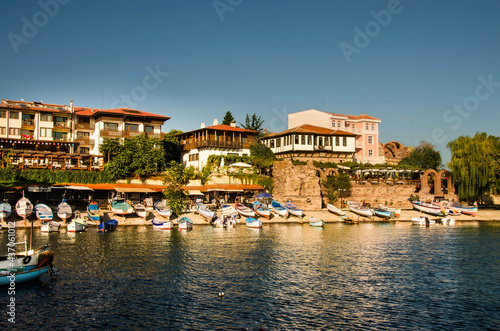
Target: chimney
pixel 215 122
pixel 233 124
pixel 202 125
pixel 22 99
pixel 71 105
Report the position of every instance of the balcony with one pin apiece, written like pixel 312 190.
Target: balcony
pixel 84 141
pixel 360 144
pixel 214 143
pixel 62 125
pixel 322 148
pixel 111 134
pixel 85 126
pixel 131 134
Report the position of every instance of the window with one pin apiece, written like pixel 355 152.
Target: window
pixel 132 127
pixel 59 135
pixel 373 127
pixel 82 135
pixel 296 139
pixel 345 141
pixel 370 152
pixel 333 123
pixel 60 121
pixel 303 139
pixel 309 140
pixel 46 117
pixel 110 126
pixel 81 119
pixel 337 141
pixel 370 139
pixel 3 130
pixel 272 143
pixel 338 124
pixel 14 131
pixel 367 126
pixel 3 114
pixel 149 128
pixel 84 150
pixel 14 115
pixel 327 141
pixel 320 141
pixel 45 132
pixel 278 142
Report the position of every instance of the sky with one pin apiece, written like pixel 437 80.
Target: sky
pixel 428 69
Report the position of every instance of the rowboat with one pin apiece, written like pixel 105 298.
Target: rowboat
pixel 293 209
pixel 244 210
pixel 43 212
pixel 120 207
pixel 315 222
pixel 359 209
pixel 429 208
pixel 5 210
pixel 162 209
pixel 24 207
pixel 383 213
pixel 162 225
pixel 27 260
pixel 227 210
pixel 456 206
pixel 64 211
pixel 397 211
pixel 7 277
pixel 141 210
pixel 253 223
pixel 279 209
pixel 204 211
pixel 225 221
pixel 77 224
pixel 50 226
pixel 422 220
pixel 93 211
pixel 185 224
pixel 261 209
pixel 447 221
pixel 110 225
pixel 332 209
pixel 349 220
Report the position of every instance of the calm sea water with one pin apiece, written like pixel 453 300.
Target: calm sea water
pixel 374 276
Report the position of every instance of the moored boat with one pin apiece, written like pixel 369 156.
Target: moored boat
pixel 279 209
pixel 332 209
pixel 315 222
pixel 359 209
pixel 77 224
pixel 110 225
pixel 227 210
pixel 5 210
pixel 141 210
pixel 469 210
pixel 162 224
pixel 43 212
pixel 429 208
pixel 422 220
pixel 204 211
pixel 120 207
pixel 64 210
pixel 93 211
pixel 7 276
pixel 383 213
pixel 293 209
pixel 244 210
pixel 253 222
pixel 447 221
pixel 50 226
pixel 29 259
pixel 185 224
pixel 261 209
pixel 24 207
pixel 225 221
pixel 397 211
pixel 162 209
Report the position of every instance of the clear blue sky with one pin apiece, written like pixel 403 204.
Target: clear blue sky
pixel 263 57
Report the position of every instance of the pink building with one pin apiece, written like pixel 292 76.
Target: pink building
pixel 365 127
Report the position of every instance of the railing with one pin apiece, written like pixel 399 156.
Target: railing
pixel 65 124
pixel 28 122
pixel 213 143
pixel 84 141
pixel 131 134
pixel 111 133
pixel 84 126
pixel 322 148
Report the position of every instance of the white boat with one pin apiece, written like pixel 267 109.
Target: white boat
pixel 204 211
pixel 77 224
pixel 279 209
pixel 43 212
pixel 25 260
pixel 24 207
pixel 50 226
pixel 429 208
pixel 448 221
pixel 456 206
pixel 161 224
pixel 315 222
pixel 5 210
pixel 422 220
pixel 228 210
pixel 225 221
pixel 120 207
pixel 141 210
pixel 185 224
pixel 162 209
pixel 25 266
pixel 397 211
pixel 253 222
pixel 64 211
pixel 244 210
pixel 359 209
pixel 293 209
pixel 332 209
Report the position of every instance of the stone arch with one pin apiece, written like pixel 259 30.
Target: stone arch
pixel 323 173
pixel 424 181
pixel 394 150
pixel 449 180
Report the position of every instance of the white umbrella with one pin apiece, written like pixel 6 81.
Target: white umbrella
pixel 241 165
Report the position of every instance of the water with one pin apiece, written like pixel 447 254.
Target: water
pixel 374 276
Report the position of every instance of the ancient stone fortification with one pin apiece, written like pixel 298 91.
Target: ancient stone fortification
pixel 392 195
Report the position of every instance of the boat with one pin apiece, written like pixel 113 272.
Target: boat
pixel 162 209
pixel 50 226
pixel 261 209
pixel 7 276
pixel 5 210
pixel 225 221
pixel 77 224
pixel 204 211
pixel 349 220
pixel 93 211
pixel 228 210
pixel 110 225
pixel 279 209
pixel 397 211
pixel 43 212
pixel 185 224
pixel 429 208
pixel 315 222
pixel 120 207
pixel 64 211
pixel 161 224
pixel 253 222
pixel 141 210
pixel 293 209
pixel 332 209
pixel 383 213
pixel 456 206
pixel 359 209
pixel 244 210
pixel 447 221
pixel 422 220
pixel 24 207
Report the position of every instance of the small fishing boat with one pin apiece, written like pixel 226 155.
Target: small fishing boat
pixel 78 224
pixel 315 222
pixel 334 210
pixel 293 209
pixel 94 212
pixel 447 221
pixel 227 210
pixel 253 223
pixel 279 209
pixel 64 211
pixel 185 224
pixel 43 212
pixel 422 220
pixel 50 226
pixel 141 210
pixel 110 225
pixel 120 207
pixel 244 210
pixel 349 220
pixel 468 210
pixel 7 276
pixel 383 213
pixel 5 210
pixel 429 208
pixel 204 211
pixel 225 221
pixel 397 211
pixel 162 209
pixel 261 209
pixel 161 224
pixel 359 209
pixel 27 260
pixel 24 207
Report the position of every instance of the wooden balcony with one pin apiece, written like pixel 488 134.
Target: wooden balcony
pixel 131 134
pixel 84 126
pixel 84 141
pixel 215 143
pixel 111 134
pixel 62 125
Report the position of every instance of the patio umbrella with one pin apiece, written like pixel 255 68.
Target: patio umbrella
pixel 264 195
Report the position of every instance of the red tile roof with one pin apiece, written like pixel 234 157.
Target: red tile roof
pixel 221 127
pixel 311 129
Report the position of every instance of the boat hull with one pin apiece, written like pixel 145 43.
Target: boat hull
pixel 185 224
pixel 366 212
pixel 108 226
pixel 76 226
pixel 50 226
pixel 279 209
pixel 157 224
pixel 428 208
pixel 25 276
pixel 253 223
pixel 317 223
pixel 334 210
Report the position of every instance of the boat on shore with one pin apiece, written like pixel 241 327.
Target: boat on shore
pixel 359 209
pixel 334 210
pixel 244 210
pixel 50 226
pixel 24 207
pixel 468 210
pixel 253 223
pixel 64 210
pixel 397 211
pixel 162 224
pixel 429 208
pixel 225 221
pixel 77 224
pixel 185 224
pixel 204 211
pixel 120 207
pixel 293 209
pixel 261 209
pixel 43 212
pixel 348 220
pixel 94 212
pixel 227 210
pixel 383 213
pixel 315 222
pixel 162 209
pixel 5 210
pixel 279 209
pixel 110 225
pixel 141 211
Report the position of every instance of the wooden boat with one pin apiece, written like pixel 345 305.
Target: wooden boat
pixel 141 210
pixel 94 212
pixel 161 224
pixel 261 209
pixel 456 206
pixel 27 260
pixel 397 211
pixel 43 212
pixel 279 209
pixel 204 211
pixel 185 224
pixel 422 220
pixel 227 210
pixel 253 222
pixel 120 207
pixel 383 213
pixel 332 209
pixel 359 209
pixel 64 211
pixel 110 225
pixel 429 208
pixel 315 222
pixel 5 210
pixel 6 276
pixel 225 221
pixel 447 221
pixel 162 209
pixel 349 220
pixel 244 210
pixel 293 209
pixel 78 224
pixel 50 226
pixel 24 207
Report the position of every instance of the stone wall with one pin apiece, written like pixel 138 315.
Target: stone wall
pixel 393 195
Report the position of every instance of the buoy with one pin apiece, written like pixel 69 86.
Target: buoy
pixel 221 294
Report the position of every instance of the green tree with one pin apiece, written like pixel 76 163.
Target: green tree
pixel 475 165
pixel 424 156
pixel 262 156
pixel 228 118
pixel 171 146
pixel 110 148
pixel 336 187
pixel 253 123
pixel 176 176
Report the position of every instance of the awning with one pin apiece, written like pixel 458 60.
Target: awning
pixel 234 190
pixel 195 192
pixel 134 190
pixel 216 189
pixel 72 187
pixel 241 165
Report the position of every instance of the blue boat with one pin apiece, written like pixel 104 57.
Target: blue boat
pixel 6 277
pixel 253 223
pixel 315 222
pixel 279 209
pixel 185 224
pixel 26 268
pixel 261 209
pixel 383 213
pixel 93 211
pixel 293 209
pixel 108 225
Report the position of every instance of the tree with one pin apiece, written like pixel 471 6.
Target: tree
pixel 253 123
pixel 110 147
pixel 262 156
pixel 475 165
pixel 171 146
pixel 336 187
pixel 228 118
pixel 424 156
pixel 176 176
